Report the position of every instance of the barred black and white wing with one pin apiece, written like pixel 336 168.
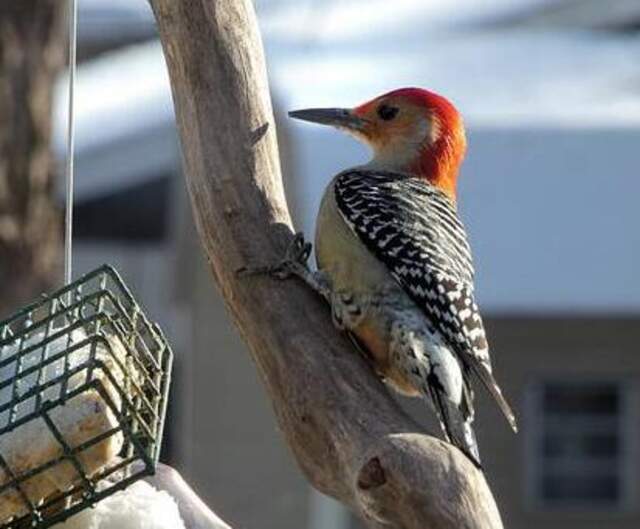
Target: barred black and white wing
pixel 413 228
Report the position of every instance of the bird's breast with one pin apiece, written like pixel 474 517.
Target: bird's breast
pixel 341 255
pixel 366 282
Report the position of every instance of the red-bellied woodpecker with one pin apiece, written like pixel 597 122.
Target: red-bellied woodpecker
pixel 393 257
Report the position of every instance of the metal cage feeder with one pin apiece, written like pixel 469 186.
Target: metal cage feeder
pixel 84 379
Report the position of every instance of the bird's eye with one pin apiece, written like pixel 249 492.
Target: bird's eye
pixel 387 112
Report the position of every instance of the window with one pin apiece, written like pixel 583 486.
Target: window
pixel 578 445
pixel 135 214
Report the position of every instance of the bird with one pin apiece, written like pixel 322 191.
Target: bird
pixel 393 257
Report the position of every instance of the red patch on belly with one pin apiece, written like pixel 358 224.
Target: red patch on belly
pixel 378 347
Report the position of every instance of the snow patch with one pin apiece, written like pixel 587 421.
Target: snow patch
pixel 140 506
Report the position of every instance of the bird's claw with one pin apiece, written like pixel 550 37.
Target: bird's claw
pixel 294 261
pixel 299 250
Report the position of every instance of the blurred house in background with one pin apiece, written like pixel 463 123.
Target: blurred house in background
pixel 551 96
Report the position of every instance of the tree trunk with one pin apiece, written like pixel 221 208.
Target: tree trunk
pixel 32 52
pixel 347 433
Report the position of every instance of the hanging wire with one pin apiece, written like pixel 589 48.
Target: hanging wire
pixel 68 232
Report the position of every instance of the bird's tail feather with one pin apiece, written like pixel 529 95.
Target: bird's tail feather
pixel 456 427
pixel 489 382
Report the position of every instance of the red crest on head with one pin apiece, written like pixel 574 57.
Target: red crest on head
pixel 439 162
pixel 422 97
pixel 445 110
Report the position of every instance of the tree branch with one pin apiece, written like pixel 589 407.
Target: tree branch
pixel 348 435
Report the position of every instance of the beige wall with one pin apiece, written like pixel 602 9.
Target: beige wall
pixel 526 350
pixel 228 444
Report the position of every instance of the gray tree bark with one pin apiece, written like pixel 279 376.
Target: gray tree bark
pixel 32 52
pixel 347 434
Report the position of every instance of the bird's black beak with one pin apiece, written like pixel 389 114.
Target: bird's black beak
pixel 336 117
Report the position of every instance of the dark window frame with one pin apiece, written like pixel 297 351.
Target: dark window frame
pixel 627 432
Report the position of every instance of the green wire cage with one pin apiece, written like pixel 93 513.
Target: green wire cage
pixel 84 379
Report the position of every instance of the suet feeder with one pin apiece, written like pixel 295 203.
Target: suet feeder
pixel 84 379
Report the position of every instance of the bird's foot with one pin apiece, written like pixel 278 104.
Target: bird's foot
pixel 294 262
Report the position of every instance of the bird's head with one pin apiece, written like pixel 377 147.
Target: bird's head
pixel 410 130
